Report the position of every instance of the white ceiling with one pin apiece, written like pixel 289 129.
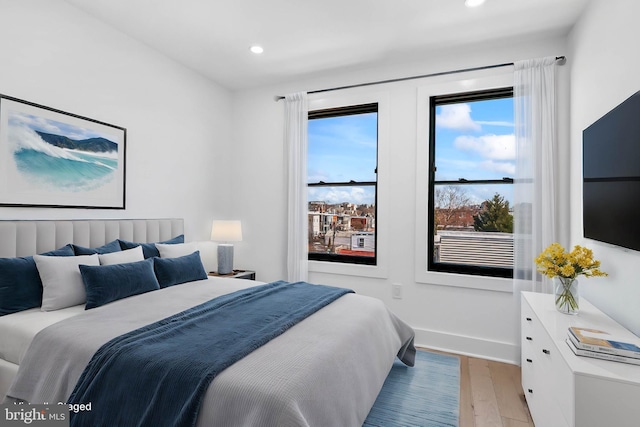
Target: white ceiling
pixel 305 37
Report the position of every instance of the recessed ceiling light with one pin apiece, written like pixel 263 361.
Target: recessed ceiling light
pixel 256 49
pixel 473 3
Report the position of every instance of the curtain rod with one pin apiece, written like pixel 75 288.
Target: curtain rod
pixel 560 59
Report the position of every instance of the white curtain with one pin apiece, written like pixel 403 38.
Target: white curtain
pixel 536 157
pixel 295 141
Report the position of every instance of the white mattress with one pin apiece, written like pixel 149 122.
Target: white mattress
pixel 18 329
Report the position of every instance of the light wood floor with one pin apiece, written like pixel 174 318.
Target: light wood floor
pixel 491 394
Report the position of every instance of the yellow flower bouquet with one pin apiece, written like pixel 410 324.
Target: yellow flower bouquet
pixel 555 262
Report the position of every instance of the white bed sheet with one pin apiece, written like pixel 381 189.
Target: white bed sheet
pixel 18 329
pixel 319 372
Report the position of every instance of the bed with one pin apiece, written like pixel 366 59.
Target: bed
pixel 325 370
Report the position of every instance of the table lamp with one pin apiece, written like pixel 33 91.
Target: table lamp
pixel 224 232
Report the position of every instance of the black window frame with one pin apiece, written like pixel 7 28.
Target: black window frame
pixel 340 112
pixel 434 102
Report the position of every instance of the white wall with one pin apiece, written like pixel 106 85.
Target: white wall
pixel 463 319
pixel 605 70
pixel 178 123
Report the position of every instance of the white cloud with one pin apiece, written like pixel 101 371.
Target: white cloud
pixel 357 195
pixel 458 117
pixel 496 123
pixel 508 168
pixel 493 147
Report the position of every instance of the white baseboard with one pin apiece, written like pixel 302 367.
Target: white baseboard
pixel 468 346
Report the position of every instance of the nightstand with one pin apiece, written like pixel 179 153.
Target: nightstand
pixel 237 274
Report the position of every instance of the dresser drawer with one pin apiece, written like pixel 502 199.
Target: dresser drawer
pixel 528 319
pixel 563 387
pixel 540 395
pixel 556 381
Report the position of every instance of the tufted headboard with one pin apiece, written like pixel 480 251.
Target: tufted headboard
pixel 24 238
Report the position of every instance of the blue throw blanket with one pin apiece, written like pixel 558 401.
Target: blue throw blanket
pixel 158 375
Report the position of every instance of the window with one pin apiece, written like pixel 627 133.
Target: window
pixel 471 170
pixel 342 182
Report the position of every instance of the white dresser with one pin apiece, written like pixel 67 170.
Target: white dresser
pixel 563 389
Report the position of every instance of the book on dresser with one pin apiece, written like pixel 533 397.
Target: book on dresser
pixel 598 355
pixel 602 342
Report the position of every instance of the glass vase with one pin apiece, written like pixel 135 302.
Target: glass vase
pixel 566 295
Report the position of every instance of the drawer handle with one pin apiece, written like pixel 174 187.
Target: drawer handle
pixel 530 391
pixel 529 360
pixel 545 351
pixel 529 339
pixel 528 319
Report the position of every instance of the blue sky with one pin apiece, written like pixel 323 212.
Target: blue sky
pixel 475 140
pixel 342 149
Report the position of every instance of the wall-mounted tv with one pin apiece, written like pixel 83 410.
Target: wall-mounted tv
pixel 611 176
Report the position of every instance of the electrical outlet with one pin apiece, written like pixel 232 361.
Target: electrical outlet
pixel 396 290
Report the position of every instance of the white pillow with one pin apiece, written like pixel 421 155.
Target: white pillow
pixel 122 257
pixel 176 250
pixel 62 284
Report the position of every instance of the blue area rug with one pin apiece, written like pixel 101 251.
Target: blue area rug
pixel 426 395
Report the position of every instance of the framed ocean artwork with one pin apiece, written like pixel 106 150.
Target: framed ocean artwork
pixel 51 158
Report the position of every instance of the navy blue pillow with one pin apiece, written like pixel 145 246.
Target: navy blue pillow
pixel 107 283
pixel 20 284
pixel 66 250
pixel 173 271
pixel 149 250
pixel 104 249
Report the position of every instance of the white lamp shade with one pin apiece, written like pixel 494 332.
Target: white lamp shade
pixel 226 231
